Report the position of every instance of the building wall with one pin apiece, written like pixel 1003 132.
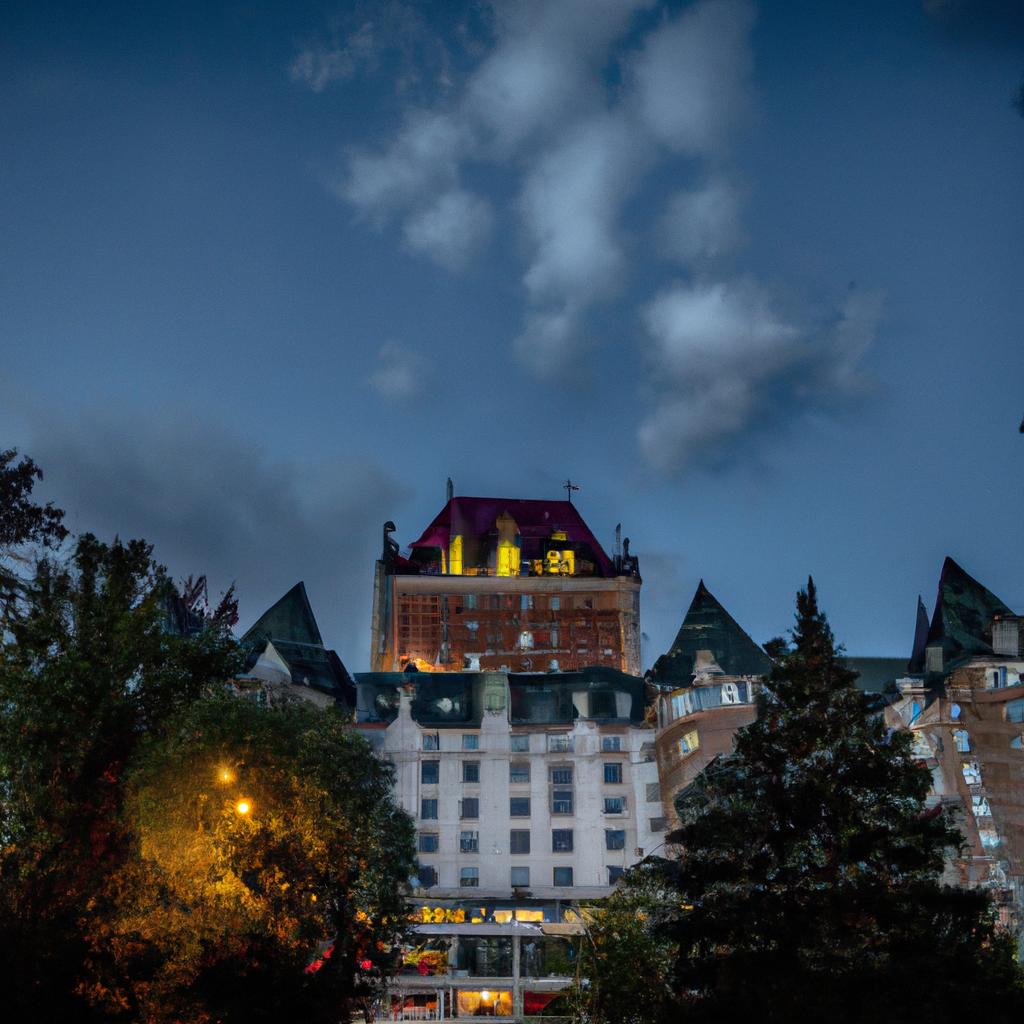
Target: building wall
pixel 516 624
pixel 402 742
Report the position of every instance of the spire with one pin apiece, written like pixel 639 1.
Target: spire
pixel 290 618
pixel 709 629
pixel 916 663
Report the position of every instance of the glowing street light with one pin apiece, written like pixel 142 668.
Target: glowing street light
pixel 243 807
pixel 226 775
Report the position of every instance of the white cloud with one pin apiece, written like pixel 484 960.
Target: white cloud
pixel 726 362
pixel 548 340
pixel 319 66
pixel 450 230
pixel 399 373
pixel 702 226
pixel 691 76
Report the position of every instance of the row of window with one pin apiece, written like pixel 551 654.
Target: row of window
pixel 519 806
pixel 519 841
pixel 525 602
pixel 469 876
pixel 518 773
pixel 557 742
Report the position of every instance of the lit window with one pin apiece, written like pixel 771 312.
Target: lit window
pixel 469 808
pixel 469 842
pixel 428 842
pixel 989 837
pixel 525 640
pixel 962 741
pixel 561 840
pixel 563 876
pixel 613 773
pixel 689 742
pixel 520 876
pixel 429 772
pixel 614 839
pixel 428 809
pixel 470 741
pixel 470 771
pixel 730 693
pixel 469 877
pixel 611 744
pixel 979 805
pixel 614 804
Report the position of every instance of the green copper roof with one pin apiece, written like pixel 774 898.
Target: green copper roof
pixel 290 618
pixel 962 620
pixel 708 626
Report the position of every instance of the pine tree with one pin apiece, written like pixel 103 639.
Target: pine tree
pixel 809 874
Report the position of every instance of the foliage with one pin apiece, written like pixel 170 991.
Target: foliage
pixel 87 669
pixel 626 956
pixel 808 879
pixel 271 914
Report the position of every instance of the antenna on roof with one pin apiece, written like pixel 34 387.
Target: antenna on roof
pixel 569 488
pixel 618 541
pixel 450 489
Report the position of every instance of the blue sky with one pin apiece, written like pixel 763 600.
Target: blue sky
pixel 749 273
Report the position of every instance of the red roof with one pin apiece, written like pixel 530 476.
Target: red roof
pixel 536 521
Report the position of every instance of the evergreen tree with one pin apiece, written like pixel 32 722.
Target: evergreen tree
pixel 808 882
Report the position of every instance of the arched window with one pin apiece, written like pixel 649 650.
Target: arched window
pixel 730 694
pixel 962 741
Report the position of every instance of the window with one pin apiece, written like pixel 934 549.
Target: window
pixel 469 602
pixel 430 741
pixel 427 876
pixel 428 809
pixel 658 824
pixel 519 840
pixel 519 807
pixel 520 743
pixel 556 604
pixel 470 741
pixel 1015 710
pixel 525 602
pixel 730 693
pixel 525 641
pixel 561 743
pixel 1017 743
pixel 429 771
pixel 999 677
pixel 470 771
pixel 614 874
pixel 989 838
pixel 561 801
pixel 979 805
pixel 561 776
pixel 972 773
pixel 689 742
pixel 611 744
pixel 962 741
pixel 613 773
pixel 653 792
pixel 428 842
pixel 520 876
pixel 519 772
pixel 469 842
pixel 562 876
pixel 469 877
pixel 561 840
pixel 614 804
pixel 469 807
pixel 614 839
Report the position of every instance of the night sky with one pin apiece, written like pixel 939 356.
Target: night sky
pixel 750 274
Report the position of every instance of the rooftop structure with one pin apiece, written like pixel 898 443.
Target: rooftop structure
pixel 505 584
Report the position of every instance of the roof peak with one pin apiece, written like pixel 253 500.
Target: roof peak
pixel 289 618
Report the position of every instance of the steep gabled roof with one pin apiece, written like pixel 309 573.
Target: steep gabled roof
pixel 708 626
pixel 962 620
pixel 921 627
pixel 291 618
pixel 534 519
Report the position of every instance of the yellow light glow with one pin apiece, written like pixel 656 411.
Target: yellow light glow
pixel 455 556
pixel 226 775
pixel 243 807
pixel 485 996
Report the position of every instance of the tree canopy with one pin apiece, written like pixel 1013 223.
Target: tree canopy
pixel 808 879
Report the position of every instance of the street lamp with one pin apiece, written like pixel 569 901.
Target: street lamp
pixel 225 775
pixel 243 807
